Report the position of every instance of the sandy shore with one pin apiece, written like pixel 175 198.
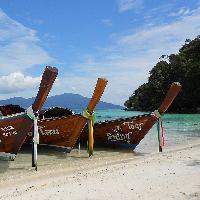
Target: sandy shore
pixel 170 175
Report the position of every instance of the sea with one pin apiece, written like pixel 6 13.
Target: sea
pixel 181 130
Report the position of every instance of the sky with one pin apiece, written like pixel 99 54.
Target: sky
pixel 120 40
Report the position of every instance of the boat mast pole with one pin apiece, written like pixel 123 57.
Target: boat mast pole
pixel 48 78
pixel 99 89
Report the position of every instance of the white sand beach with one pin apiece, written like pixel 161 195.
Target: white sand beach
pixel 169 175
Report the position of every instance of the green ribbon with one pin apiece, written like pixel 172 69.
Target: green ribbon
pixel 88 114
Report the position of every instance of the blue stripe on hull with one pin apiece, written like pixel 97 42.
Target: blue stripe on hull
pixel 13 117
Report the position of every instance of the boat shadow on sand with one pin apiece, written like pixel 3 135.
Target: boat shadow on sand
pixel 61 153
pixel 50 155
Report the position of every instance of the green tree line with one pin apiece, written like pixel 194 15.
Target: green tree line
pixel 183 67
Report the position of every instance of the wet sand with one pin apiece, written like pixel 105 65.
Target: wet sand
pixel 173 174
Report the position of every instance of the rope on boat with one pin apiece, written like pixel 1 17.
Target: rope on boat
pixel 160 129
pixel 91 118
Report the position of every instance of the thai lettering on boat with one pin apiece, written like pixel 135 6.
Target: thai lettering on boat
pixel 7 128
pixel 8 131
pixel 132 125
pixel 119 137
pixel 44 131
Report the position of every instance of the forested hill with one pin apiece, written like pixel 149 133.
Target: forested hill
pixel 183 67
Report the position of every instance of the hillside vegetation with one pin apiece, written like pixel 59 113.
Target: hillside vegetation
pixel 183 67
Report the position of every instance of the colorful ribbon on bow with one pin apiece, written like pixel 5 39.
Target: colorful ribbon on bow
pixel 91 118
pixel 160 129
pixel 32 115
pixel 35 138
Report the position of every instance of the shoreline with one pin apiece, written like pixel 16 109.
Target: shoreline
pixel 120 173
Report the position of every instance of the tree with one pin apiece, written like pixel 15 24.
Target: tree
pixel 183 67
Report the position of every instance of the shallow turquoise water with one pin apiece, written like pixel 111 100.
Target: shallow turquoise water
pixel 115 114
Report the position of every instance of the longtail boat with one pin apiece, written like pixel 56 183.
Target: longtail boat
pixel 65 131
pixel 128 132
pixel 14 128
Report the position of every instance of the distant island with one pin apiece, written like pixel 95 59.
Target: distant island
pixel 69 100
pixel 183 67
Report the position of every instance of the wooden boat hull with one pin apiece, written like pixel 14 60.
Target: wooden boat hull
pixel 59 132
pixel 13 134
pixel 120 133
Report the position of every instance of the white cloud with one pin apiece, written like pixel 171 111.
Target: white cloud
pixel 19 46
pixel 17 82
pixel 161 38
pixel 127 62
pixel 125 5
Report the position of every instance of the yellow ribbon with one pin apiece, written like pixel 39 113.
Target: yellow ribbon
pixel 91 117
